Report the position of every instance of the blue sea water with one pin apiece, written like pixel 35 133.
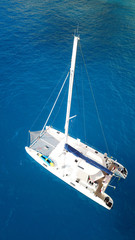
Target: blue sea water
pixel 35 53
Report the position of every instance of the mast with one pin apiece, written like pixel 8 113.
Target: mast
pixel 71 80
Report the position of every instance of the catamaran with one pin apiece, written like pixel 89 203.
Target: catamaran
pixel 74 162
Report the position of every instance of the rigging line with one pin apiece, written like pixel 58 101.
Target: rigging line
pixel 47 100
pixel 94 101
pixel 84 121
pixel 59 107
pixel 78 102
pixel 77 92
pixel 112 180
pixel 53 105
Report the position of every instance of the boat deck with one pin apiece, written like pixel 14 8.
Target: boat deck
pixel 73 166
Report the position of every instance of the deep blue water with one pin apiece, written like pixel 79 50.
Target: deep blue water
pixel 35 52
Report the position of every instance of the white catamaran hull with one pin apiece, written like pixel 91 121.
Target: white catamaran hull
pixel 67 179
